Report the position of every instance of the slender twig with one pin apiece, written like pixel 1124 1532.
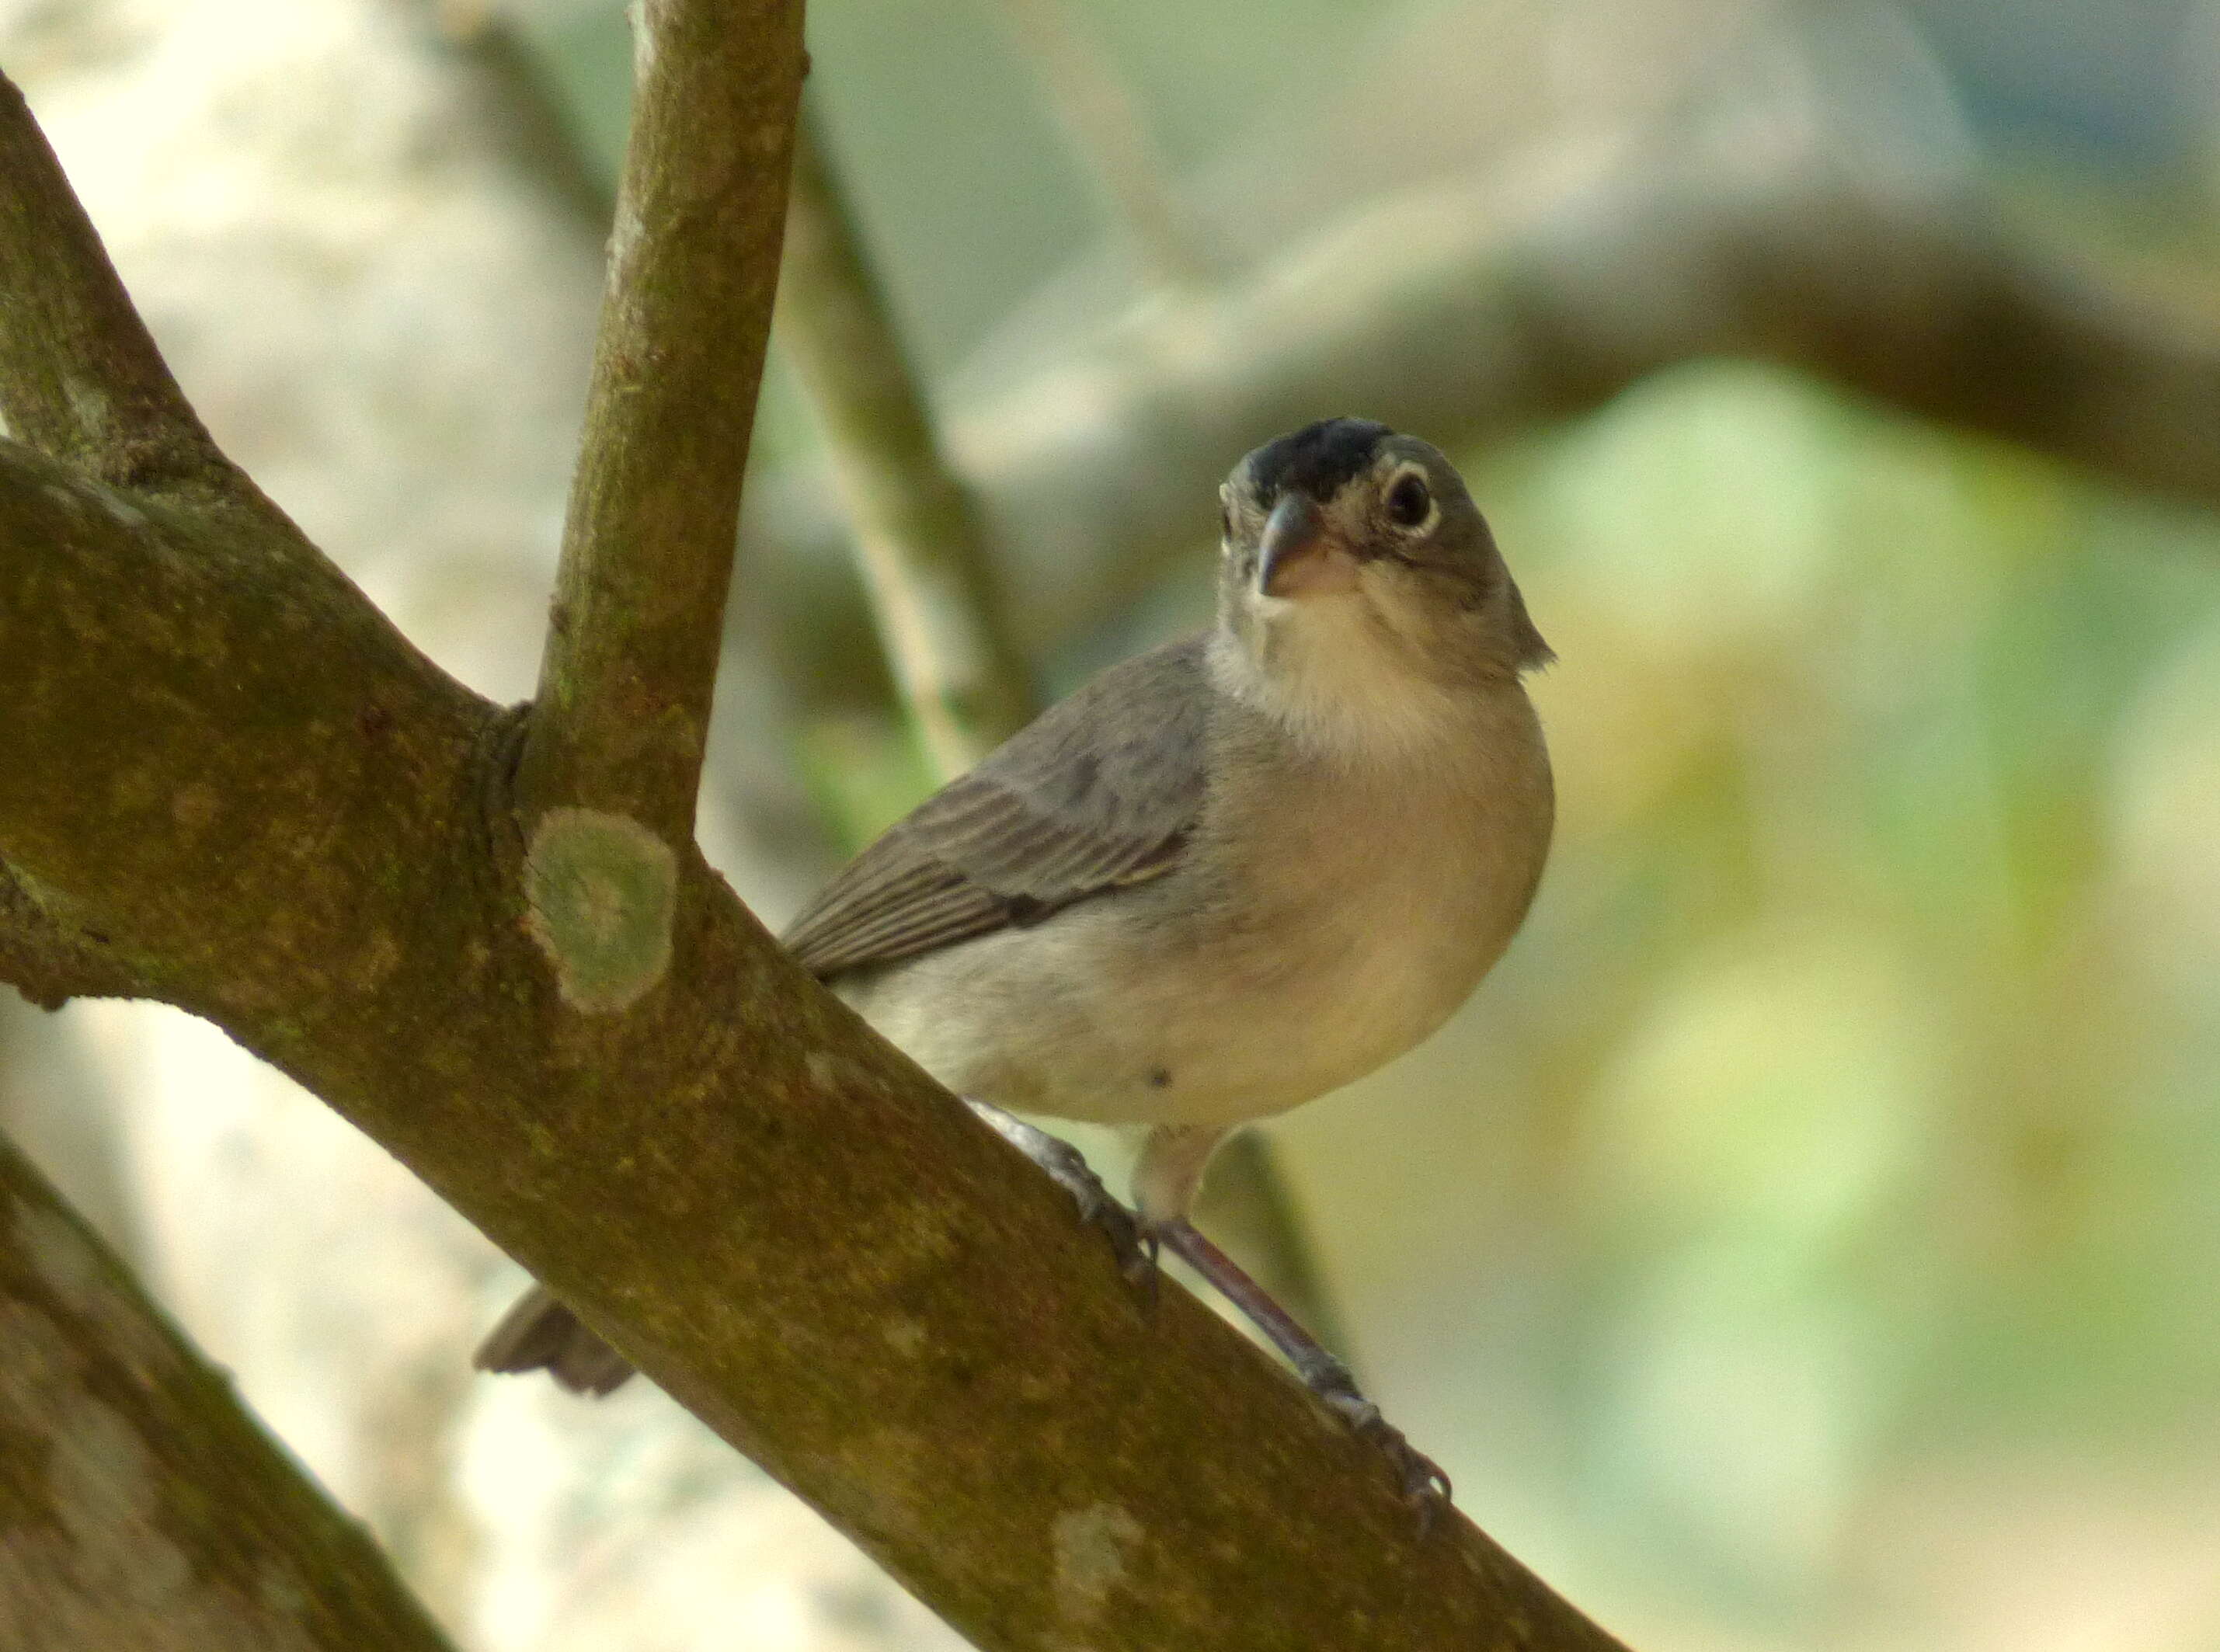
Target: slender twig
pixel 918 536
pixel 1109 137
pixel 521 114
pixel 632 642
pixel 80 378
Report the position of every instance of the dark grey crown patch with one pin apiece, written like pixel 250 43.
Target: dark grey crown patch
pixel 1318 460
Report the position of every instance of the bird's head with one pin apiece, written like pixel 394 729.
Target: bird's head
pixel 1356 568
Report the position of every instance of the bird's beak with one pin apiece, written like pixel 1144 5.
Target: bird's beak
pixel 1297 557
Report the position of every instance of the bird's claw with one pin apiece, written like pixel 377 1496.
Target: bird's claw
pixel 1421 1480
pixel 1134 1242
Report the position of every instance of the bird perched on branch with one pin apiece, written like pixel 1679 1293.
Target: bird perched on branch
pixel 1224 878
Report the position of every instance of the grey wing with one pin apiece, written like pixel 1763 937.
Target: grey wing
pixel 1100 792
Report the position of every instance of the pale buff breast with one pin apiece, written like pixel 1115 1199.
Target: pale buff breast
pixel 1340 917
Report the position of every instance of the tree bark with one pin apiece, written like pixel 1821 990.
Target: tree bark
pixel 630 666
pixel 140 1505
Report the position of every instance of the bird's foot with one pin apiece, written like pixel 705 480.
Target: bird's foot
pixel 1134 1243
pixel 1420 1478
pixel 1137 1242
pixel 1424 1484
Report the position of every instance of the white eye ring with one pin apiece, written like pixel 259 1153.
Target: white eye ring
pixel 1425 524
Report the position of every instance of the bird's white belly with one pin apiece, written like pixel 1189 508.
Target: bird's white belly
pixel 1328 1010
pixel 1097 1018
pixel 1327 918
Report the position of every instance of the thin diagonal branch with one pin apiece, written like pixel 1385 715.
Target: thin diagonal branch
pixel 630 667
pixel 1108 134
pixel 80 378
pixel 919 539
pixel 940 612
pixel 143 1506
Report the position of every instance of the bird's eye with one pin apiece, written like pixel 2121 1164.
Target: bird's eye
pixel 1409 502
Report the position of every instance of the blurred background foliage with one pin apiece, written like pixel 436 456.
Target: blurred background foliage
pixel 1811 1235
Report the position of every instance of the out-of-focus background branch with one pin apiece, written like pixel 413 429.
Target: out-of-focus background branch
pixel 1807 1236
pixel 920 544
pixel 161 1514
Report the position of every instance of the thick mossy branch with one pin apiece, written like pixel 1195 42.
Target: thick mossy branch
pixel 46 958
pixel 140 1505
pixel 634 635
pixel 285 818
pixel 80 375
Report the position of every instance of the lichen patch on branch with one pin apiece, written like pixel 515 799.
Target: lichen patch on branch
pixel 600 889
pixel 1092 1546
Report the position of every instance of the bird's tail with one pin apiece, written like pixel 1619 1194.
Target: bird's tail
pixel 541 1334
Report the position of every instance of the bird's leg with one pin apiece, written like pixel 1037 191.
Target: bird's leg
pixel 1067 1167
pixel 1166 1180
pixel 1165 1183
pixel 1322 1374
